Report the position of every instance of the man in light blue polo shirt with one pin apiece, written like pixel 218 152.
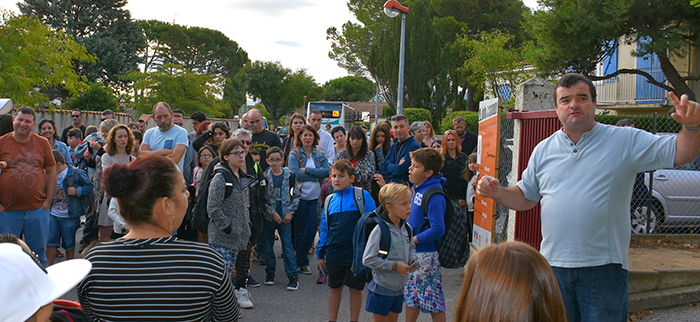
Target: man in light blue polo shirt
pixel 167 139
pixel 583 176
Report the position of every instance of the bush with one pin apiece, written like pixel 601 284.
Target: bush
pixel 471 118
pixel 96 97
pixel 388 112
pixel 416 114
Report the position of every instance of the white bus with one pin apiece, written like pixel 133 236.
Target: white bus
pixel 333 113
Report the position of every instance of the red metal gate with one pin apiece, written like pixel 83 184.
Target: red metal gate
pixel 535 127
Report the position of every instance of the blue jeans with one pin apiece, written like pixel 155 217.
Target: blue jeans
pixel 305 227
pixel 34 224
pixel 596 293
pixel 62 232
pixel 285 232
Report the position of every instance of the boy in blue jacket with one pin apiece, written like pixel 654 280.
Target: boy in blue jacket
pixel 335 240
pixel 423 291
pixel 66 208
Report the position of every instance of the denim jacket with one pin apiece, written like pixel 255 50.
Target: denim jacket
pixel 322 167
pixel 83 186
pixel 290 197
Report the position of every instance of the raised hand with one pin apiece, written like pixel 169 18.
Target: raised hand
pixel 687 111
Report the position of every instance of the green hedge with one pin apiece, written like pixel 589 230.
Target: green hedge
pixel 416 114
pixel 663 123
pixel 471 118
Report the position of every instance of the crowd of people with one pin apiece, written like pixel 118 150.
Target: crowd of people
pixel 173 220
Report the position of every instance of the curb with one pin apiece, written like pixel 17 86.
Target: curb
pixel 663 288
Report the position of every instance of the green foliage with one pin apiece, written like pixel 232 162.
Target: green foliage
pixel 663 123
pixel 196 49
pixel 279 89
pixel 695 3
pixel 104 27
pixel 388 112
pixel 577 35
pixel 416 114
pixel 349 89
pixel 96 97
pixel 470 118
pixel 493 61
pixel 182 89
pixel 33 56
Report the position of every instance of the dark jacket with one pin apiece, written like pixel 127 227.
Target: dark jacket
pixel 391 169
pixel 258 198
pixel 456 186
pixel 469 143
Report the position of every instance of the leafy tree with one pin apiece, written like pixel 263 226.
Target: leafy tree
pixel 104 27
pixel 349 89
pixel 182 89
pixel 491 60
pixel 196 49
pixel 96 97
pixel 33 56
pixel 416 114
pixel 470 118
pixel 279 89
pixel 578 35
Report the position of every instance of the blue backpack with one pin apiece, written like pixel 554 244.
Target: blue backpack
pixel 363 228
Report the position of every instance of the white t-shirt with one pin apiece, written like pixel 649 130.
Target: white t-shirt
pixel 326 143
pixel 310 190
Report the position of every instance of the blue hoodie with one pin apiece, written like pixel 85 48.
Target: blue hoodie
pixel 436 215
pixel 335 238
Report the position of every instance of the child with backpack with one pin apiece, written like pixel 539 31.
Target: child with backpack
pixel 282 201
pixel 423 291
pixel 66 209
pixel 335 248
pixel 390 269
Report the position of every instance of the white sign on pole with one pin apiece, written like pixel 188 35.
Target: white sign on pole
pixel 365 116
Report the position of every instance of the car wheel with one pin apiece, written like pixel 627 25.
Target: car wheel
pixel 639 219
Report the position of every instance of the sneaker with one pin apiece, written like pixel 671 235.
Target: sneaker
pixel 293 284
pixel 251 282
pixel 243 298
pixel 270 279
pixel 260 259
pixel 306 270
pixel 321 279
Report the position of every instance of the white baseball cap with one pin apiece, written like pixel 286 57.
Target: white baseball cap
pixel 25 285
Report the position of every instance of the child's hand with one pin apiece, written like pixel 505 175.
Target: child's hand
pixel 322 265
pixel 276 217
pixel 402 268
pixel 3 164
pixel 87 154
pixel 287 218
pixel 71 191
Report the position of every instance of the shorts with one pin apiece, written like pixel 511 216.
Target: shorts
pixel 62 231
pixel 340 274
pixel 424 287
pixel 383 304
pixel 228 255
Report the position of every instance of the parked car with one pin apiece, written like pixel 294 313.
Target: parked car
pixel 675 200
pixel 283 132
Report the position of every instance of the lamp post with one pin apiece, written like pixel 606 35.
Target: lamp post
pixel 393 8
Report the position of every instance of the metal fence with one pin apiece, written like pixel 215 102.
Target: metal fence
pixel 666 201
pixel 500 231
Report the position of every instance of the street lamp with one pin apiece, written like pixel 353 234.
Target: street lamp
pixel 393 8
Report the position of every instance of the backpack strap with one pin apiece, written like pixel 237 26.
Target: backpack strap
pixel 359 196
pixel 385 241
pixel 424 207
pixel 298 157
pixel 326 203
pixel 228 177
pixel 292 183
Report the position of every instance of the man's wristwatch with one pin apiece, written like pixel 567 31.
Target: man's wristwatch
pixel 693 129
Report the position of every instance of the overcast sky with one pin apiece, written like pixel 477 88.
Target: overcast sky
pixel 292 31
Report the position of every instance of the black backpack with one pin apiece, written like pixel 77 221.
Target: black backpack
pixel 454 250
pixel 200 216
pixel 363 228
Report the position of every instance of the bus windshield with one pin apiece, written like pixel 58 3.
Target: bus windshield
pixel 328 110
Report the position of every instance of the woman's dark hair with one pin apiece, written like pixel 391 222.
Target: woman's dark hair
pixel 221 126
pixel 137 136
pixel 312 130
pixel 336 129
pixel 384 128
pixel 138 185
pixel 510 282
pixel 356 133
pixel 53 124
pixel 201 150
pixel 111 145
pixel 6 125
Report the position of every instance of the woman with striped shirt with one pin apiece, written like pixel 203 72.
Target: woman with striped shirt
pixel 149 275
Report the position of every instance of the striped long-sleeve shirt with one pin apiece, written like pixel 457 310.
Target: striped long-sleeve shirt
pixel 160 279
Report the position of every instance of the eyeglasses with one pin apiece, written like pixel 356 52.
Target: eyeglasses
pixel 274 160
pixel 239 153
pixel 448 131
pixel 248 143
pixel 419 131
pixel 207 156
pixel 75 116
